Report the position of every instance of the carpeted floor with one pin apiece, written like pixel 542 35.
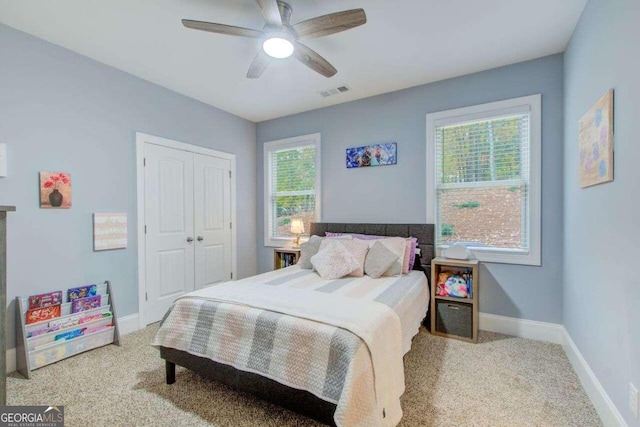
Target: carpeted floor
pixel 501 381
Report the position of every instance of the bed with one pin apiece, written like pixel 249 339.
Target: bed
pixel 297 361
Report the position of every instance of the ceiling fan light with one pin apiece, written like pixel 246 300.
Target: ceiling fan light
pixel 277 47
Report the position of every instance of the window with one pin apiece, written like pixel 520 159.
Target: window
pixel 292 186
pixel 483 179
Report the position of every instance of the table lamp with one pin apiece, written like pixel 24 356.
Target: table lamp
pixel 297 228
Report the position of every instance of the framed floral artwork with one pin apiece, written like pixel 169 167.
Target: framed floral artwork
pixel 55 190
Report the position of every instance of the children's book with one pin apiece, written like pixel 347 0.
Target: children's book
pixel 45 313
pixel 41 331
pixel 84 304
pixel 68 322
pixel 81 292
pixel 92 329
pixel 70 334
pixel 45 300
pixel 94 317
pixel 65 322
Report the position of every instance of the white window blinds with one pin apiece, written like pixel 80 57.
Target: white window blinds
pixel 292 181
pixel 482 172
pixel 484 186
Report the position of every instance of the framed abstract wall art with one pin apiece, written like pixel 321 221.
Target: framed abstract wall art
pixel 55 190
pixel 109 231
pixel 372 155
pixel 595 134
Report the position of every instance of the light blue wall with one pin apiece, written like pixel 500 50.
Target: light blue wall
pixel 398 193
pixel 602 224
pixel 61 111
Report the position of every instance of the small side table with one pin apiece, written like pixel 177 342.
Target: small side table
pixel 454 317
pixel 285 257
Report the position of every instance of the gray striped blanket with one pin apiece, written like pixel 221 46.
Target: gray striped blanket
pixel 330 362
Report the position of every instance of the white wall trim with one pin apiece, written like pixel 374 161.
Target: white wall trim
pixel 142 250
pixel 530 329
pixel 607 411
pixel 141 140
pixel 557 334
pixel 128 324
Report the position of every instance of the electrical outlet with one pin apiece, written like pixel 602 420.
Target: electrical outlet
pixel 633 400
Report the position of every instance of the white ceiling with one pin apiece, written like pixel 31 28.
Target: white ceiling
pixel 404 43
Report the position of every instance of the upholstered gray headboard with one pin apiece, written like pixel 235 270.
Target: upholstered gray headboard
pixel 423 232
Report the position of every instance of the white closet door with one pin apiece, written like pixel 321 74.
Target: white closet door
pixel 212 203
pixel 169 228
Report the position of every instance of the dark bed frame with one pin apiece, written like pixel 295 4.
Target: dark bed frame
pixel 299 401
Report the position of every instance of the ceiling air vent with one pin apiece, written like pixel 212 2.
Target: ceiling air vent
pixel 335 91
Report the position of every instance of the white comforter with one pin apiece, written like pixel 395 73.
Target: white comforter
pixel 375 323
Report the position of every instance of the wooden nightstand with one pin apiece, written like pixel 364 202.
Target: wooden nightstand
pixel 450 316
pixel 285 257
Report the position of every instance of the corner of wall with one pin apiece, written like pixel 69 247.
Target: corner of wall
pixel 605 407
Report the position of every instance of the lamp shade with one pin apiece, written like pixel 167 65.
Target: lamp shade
pixel 297 226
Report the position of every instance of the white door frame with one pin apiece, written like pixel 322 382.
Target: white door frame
pixel 141 139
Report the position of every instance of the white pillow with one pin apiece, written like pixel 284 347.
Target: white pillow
pixel 307 250
pixel 311 247
pixel 379 260
pixel 397 245
pixel 357 248
pixel 333 262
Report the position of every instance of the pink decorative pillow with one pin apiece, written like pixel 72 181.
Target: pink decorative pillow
pixel 412 254
pixel 409 253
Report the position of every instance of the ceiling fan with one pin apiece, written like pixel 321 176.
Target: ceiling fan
pixel 280 38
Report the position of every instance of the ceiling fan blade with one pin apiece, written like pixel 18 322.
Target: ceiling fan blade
pixel 330 24
pixel 259 64
pixel 221 28
pixel 314 61
pixel 270 12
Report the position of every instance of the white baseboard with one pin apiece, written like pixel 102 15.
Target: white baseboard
pixel 530 329
pixel 557 334
pixel 607 411
pixel 127 324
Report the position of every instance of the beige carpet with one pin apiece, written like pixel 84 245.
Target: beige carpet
pixel 501 381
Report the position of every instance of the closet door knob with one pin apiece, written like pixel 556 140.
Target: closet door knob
pixel 189 239
pixel 200 238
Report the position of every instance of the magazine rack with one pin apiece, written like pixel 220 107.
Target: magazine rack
pixel 33 352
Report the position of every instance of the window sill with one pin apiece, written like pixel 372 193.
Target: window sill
pixel 283 243
pixel 498 256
